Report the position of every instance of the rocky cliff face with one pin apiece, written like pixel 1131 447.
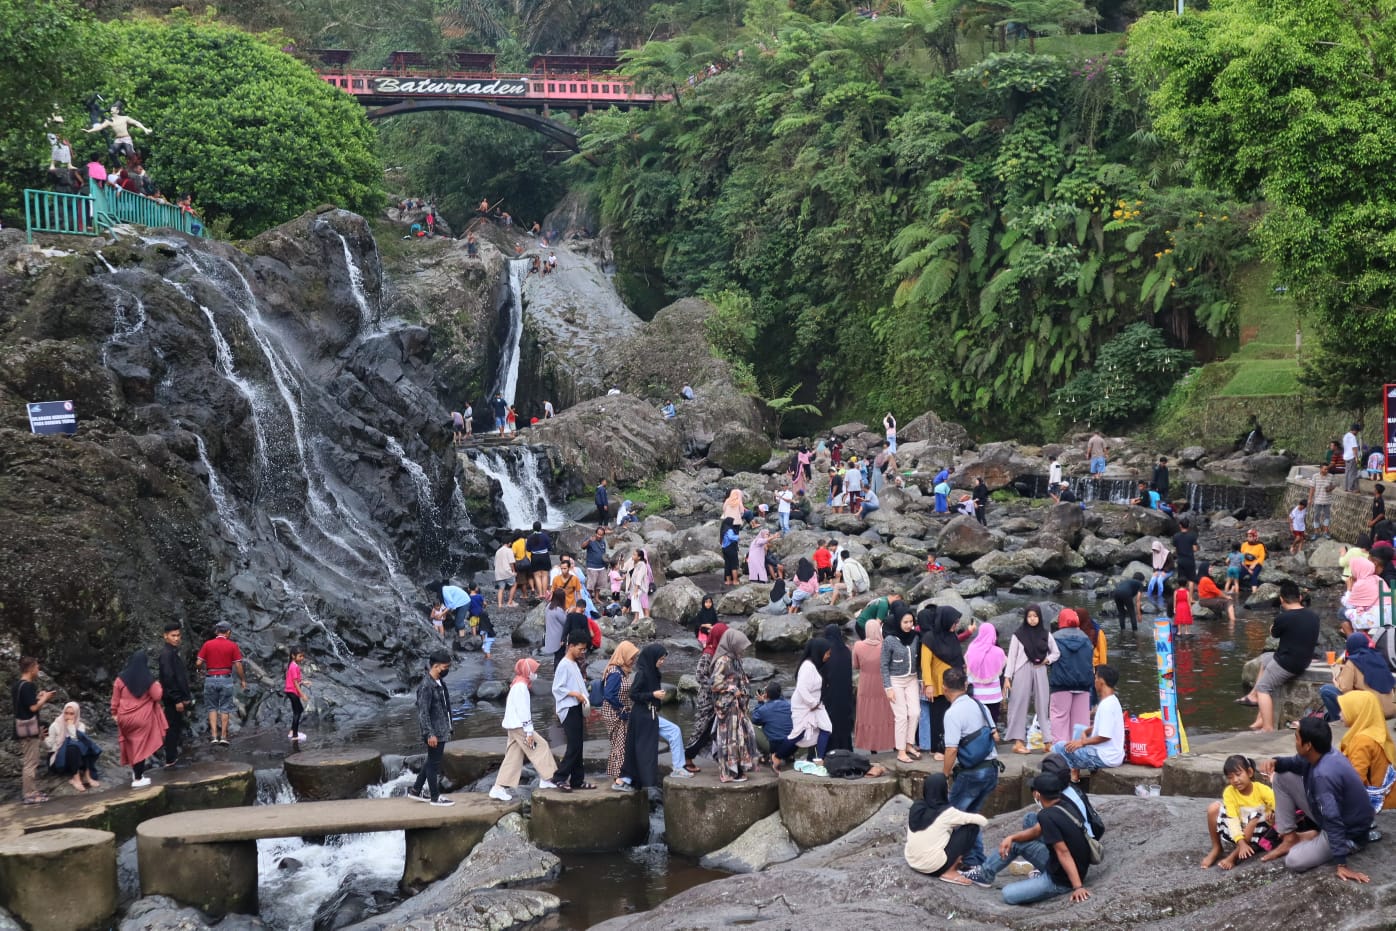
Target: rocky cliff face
pixel 257 443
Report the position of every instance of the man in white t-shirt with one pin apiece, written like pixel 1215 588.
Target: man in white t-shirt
pixel 784 498
pixel 1054 473
pixel 1352 449
pixel 1103 745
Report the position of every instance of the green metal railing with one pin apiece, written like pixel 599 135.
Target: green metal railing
pixel 100 209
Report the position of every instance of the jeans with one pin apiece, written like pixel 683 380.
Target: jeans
pixel 1155 589
pixel 671 735
pixel 1026 891
pixel 1085 758
pixel 1125 607
pixel 923 727
pixel 970 790
pixel 1329 695
pixel 784 521
pixel 487 647
pixel 430 776
pixel 218 694
pixel 869 508
pixel 787 748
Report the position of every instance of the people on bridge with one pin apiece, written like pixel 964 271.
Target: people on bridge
pixel 174 682
pixel 434 723
pixel 120 124
pixel 140 723
pixel 520 741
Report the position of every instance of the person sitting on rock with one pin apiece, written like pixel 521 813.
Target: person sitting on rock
pixel 1369 748
pixel 939 835
pixel 806 585
pixel 1240 820
pixel 1056 846
pixel 1319 783
pixel 72 752
pixel 1064 494
pixel 1211 597
pixel 1252 559
pixel 1297 629
pixel 1103 744
pixel 1362 669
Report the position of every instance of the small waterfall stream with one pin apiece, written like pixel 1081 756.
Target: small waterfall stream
pixel 1200 496
pixel 507 380
pixel 356 287
pixel 522 492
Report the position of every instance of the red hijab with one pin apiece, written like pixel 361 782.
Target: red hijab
pixel 714 636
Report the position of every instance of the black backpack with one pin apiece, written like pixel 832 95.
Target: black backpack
pixel 847 764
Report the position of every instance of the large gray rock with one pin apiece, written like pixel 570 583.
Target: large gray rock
pixel 617 437
pixel 1029 560
pixel 532 629
pixel 738 448
pixel 744 599
pixel 697 564
pixel 964 538
pixel 679 600
pixel 953 599
pixel 764 843
pixel 1066 521
pixel 1099 553
pixel 930 428
pixel 785 632
pixel 159 913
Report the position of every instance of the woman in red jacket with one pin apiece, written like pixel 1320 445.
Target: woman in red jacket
pixel 140 721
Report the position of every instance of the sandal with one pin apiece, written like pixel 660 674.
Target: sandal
pixel 1243 700
pixel 954 878
pixel 913 753
pixel 691 768
pixel 1019 748
pixel 586 785
pixel 904 760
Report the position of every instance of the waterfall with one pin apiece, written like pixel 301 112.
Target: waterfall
pixel 1200 496
pixel 507 381
pixel 521 488
pixel 226 512
pixel 356 286
pixel 125 324
pixel 419 481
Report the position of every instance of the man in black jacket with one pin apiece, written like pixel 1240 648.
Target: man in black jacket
pixel 434 720
pixel 174 679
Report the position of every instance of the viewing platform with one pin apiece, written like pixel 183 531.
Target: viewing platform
pixel 100 209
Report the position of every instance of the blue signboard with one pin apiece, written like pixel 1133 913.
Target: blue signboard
pixel 53 417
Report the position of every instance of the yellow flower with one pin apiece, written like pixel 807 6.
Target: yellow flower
pixel 1115 214
pixel 1158 255
pixel 1223 216
pixel 1167 251
pixel 1138 203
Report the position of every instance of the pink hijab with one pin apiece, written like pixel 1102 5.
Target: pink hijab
pixel 1366 586
pixel 985 659
pixel 524 670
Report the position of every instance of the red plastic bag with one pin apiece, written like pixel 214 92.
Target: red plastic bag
pixel 1146 745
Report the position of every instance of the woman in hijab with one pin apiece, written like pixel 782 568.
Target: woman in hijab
pixel 140 721
pixel 779 604
pixel 873 722
pixel 806 584
pixel 733 507
pixel 615 702
pixel 940 650
pixel 1158 555
pixel 1070 677
pixel 642 735
pixel 984 662
pixel 734 737
pixel 74 753
pixel 1360 602
pixel 707 617
pixel 1030 651
pixel 731 543
pixel 641 575
pixel 809 721
pixel 938 835
pixel 899 680
pixel 1368 747
pixel 703 711
pixel 838 689
pixel 520 742
pixel 756 557
pixel 1363 670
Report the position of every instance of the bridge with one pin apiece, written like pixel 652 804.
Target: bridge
pixel 469 83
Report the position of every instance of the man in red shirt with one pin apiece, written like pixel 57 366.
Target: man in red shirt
pixel 220 658
pixel 824 562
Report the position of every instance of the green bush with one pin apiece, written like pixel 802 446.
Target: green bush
pixel 1131 374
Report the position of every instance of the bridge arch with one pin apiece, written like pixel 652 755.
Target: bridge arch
pixel 550 128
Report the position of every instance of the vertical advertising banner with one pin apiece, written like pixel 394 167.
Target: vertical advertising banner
pixel 1167 685
pixel 1388 409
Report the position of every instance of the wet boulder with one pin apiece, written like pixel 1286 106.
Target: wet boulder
pixel 738 448
pixel 964 538
pixel 744 599
pixel 618 437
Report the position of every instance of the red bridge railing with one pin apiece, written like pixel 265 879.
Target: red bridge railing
pixel 520 90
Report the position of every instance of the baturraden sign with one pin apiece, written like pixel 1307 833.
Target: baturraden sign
pixel 446 87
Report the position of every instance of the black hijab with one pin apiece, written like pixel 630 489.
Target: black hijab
pixel 137 675
pixel 934 800
pixel 895 613
pixel 706 614
pixel 814 652
pixel 1036 641
pixel 778 591
pixel 804 571
pixel 646 679
pixel 839 669
pixel 938 634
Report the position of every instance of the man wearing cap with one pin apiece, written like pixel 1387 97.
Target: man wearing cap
pixel 1352 450
pixel 220 658
pixel 174 681
pixel 434 720
pixel 1253 558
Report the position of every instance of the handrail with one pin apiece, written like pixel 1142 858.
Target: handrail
pixel 101 208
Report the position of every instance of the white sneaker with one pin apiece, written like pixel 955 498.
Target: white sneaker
pixel 140 783
pixel 500 794
pixel 681 773
pixel 546 784
pixel 417 796
pixel 442 802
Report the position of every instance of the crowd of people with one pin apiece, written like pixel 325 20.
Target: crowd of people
pixel 151 709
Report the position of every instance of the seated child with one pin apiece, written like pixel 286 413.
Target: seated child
pixel 1243 816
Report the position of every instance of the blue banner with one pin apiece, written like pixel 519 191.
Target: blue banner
pixel 53 417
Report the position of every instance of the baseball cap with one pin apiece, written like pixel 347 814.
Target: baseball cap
pixel 222 627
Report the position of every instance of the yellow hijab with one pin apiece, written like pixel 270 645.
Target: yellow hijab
pixel 624 656
pixel 1362 712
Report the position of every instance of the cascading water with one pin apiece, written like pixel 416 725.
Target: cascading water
pixel 356 287
pixel 521 489
pixel 128 318
pixel 227 513
pixel 507 380
pixel 1200 497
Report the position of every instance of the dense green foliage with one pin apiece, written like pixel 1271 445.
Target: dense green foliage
pixel 252 133
pixel 1131 373
pixel 49 55
pixel 912 234
pixel 1296 105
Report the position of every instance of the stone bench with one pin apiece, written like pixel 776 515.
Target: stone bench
pixel 120 809
pixel 208 859
pixel 466 761
pixel 326 775
pixel 1296 697
pixel 702 814
pixel 1014 789
pixel 59 880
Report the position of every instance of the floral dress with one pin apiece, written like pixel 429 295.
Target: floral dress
pixel 734 737
pixel 616 722
pixel 703 707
